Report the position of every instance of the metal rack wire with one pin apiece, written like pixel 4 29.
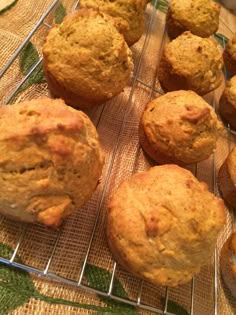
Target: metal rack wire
pixel 79 283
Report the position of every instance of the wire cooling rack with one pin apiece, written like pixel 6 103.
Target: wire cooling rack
pixel 53 256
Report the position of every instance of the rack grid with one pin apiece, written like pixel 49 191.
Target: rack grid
pixel 152 89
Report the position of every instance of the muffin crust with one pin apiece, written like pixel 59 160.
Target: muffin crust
pixel 163 224
pixel 227 104
pixel 228 263
pixel 229 55
pixel 200 17
pixel 86 60
pixel 227 179
pixel 128 15
pixel 179 127
pixel 51 161
pixel 191 63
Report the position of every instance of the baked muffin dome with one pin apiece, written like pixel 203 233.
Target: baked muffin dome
pixel 86 60
pixel 179 127
pixel 227 179
pixel 51 161
pixel 190 62
pixel 227 104
pixel 201 17
pixel 229 55
pixel 163 225
pixel 128 15
pixel 228 263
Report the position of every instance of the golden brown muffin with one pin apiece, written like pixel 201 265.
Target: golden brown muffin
pixel 190 62
pixel 228 263
pixel 163 225
pixel 86 60
pixel 229 55
pixel 201 17
pixel 227 179
pixel 227 105
pixel 50 163
pixel 179 127
pixel 128 15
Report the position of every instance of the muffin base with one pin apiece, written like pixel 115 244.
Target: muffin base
pixel 230 63
pixel 70 98
pixel 226 266
pixel 226 185
pixel 122 261
pixel 174 29
pixel 227 110
pixel 170 80
pixel 154 154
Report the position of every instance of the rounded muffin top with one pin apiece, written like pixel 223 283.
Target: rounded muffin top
pixel 128 15
pixel 182 125
pixel 52 161
pixel 197 59
pixel 163 224
pixel 60 131
pixel 88 56
pixel 40 116
pixel 201 17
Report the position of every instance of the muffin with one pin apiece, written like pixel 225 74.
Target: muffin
pixel 229 55
pixel 128 15
pixel 227 179
pixel 190 62
pixel 228 263
pixel 179 127
pixel 227 104
pixel 51 161
pixel 86 60
pixel 163 225
pixel 200 17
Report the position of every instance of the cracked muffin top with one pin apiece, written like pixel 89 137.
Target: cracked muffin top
pixel 51 160
pixel 163 224
pixel 86 59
